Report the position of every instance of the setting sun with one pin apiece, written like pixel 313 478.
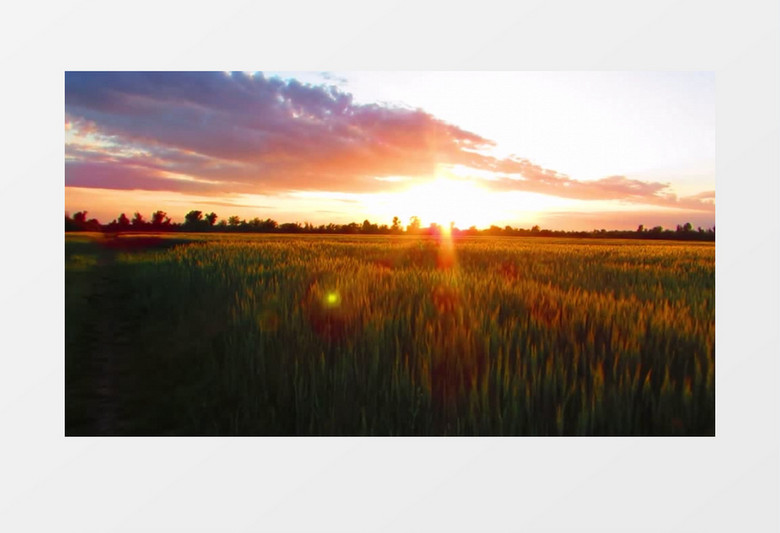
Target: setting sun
pixel 440 201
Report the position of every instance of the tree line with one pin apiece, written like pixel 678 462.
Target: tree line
pixel 197 221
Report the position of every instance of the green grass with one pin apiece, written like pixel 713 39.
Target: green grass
pixel 357 335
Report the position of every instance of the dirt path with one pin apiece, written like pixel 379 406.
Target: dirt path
pixel 104 393
pixel 102 345
pixel 106 349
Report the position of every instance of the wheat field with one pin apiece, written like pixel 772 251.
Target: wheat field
pixel 388 335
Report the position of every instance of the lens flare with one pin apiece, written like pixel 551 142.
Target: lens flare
pixel 445 257
pixel 332 299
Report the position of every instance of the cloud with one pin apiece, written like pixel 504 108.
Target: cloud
pixel 533 178
pixel 332 77
pixel 232 204
pixel 97 174
pixel 252 134
pixel 214 134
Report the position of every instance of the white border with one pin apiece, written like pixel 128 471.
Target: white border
pixel 726 483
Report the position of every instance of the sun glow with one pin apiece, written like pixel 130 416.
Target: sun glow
pixel 441 201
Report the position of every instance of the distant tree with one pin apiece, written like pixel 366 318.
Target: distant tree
pixel 640 228
pixel 396 227
pixel 269 225
pixel 80 217
pixel 352 227
pixel 160 220
pixel 79 222
pixel 211 218
pixel 369 228
pixel 414 225
pixel 123 222
pixel 193 217
pixel 290 227
pixel 93 224
pixel 138 220
pixel 234 221
pixel 193 221
pixel 535 229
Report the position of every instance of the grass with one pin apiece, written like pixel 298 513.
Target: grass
pixel 359 335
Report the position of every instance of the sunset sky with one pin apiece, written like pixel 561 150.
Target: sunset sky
pixel 565 150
